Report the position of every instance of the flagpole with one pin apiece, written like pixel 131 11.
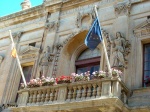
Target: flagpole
pixel 18 61
pixel 104 47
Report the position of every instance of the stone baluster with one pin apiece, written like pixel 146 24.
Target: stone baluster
pixel 47 96
pixel 34 97
pixel 51 96
pixel 39 96
pixel 98 90
pixel 79 93
pixel 43 96
pixel 69 96
pixel 31 98
pixel 89 91
pixel 84 92
pixel 94 90
pixel 55 94
pixel 74 93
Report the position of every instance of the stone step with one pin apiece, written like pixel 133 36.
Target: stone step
pixel 140 97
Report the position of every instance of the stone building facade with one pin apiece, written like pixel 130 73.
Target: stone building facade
pixel 50 38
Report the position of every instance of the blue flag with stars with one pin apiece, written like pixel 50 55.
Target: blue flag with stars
pixel 94 36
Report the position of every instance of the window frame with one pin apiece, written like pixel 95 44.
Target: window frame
pixel 87 62
pixel 144 64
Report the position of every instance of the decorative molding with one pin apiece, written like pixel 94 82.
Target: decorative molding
pixel 142 29
pixel 51 26
pixel 81 16
pixel 69 37
pixel 29 54
pixel 122 8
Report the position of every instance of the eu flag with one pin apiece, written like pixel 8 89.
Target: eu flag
pixel 94 36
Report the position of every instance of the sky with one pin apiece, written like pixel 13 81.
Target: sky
pixel 11 6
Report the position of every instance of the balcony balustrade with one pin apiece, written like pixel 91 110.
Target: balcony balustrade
pixel 83 91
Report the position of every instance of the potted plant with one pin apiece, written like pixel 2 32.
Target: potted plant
pixel 98 75
pixel 47 81
pixel 116 73
pixel 34 83
pixel 63 79
pixel 80 77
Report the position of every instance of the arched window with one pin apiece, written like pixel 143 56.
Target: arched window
pixel 88 61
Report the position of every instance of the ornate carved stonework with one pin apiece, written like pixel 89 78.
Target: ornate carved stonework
pixel 85 19
pixel 108 45
pixel 17 36
pixel 142 29
pixel 45 61
pixel 58 48
pixel 69 37
pixel 122 8
pixel 29 54
pixel 51 26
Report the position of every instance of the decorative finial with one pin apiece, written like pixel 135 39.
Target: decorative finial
pixel 26 4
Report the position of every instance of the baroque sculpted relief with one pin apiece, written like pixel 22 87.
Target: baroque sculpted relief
pixel 44 61
pixel 122 8
pixel 120 50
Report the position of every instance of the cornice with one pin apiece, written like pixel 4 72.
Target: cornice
pixel 22 13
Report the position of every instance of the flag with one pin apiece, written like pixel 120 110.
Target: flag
pixel 13 53
pixel 94 36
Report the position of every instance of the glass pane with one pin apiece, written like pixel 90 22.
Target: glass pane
pixel 146 78
pixel 147 48
pixel 147 65
pixel 27 73
pixel 89 54
pixel 147 57
pixel 94 68
pixel 146 74
pixel 82 70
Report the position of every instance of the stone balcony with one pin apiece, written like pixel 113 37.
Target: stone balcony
pixel 95 95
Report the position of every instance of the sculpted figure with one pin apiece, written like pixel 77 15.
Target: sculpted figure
pixel 119 51
pixel 44 62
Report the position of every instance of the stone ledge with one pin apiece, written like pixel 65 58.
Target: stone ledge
pixel 103 103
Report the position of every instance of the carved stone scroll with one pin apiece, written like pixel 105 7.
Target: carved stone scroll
pixel 83 18
pixel 51 26
pixel 122 8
